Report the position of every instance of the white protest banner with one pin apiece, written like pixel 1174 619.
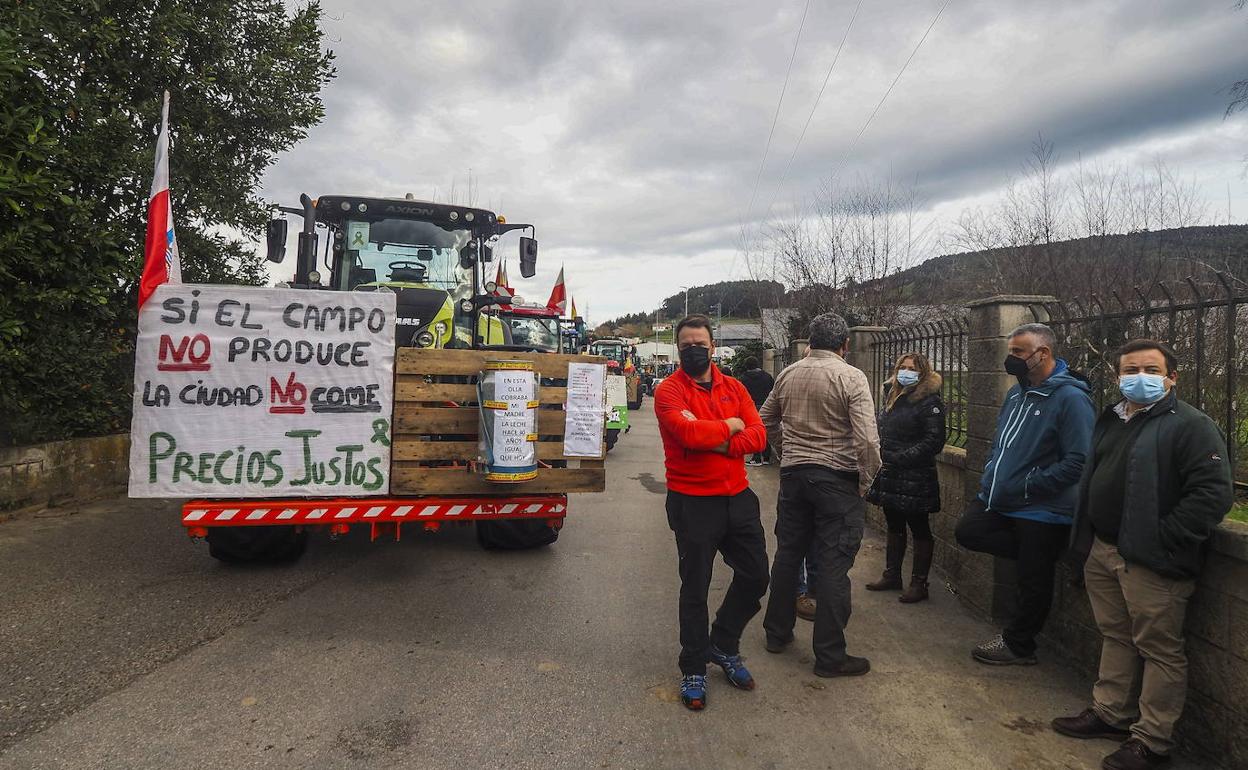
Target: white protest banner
pixel 252 392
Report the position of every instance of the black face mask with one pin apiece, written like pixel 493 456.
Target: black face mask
pixel 1019 368
pixel 695 360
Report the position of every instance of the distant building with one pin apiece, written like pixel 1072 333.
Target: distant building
pixel 775 326
pixel 656 352
pixel 736 334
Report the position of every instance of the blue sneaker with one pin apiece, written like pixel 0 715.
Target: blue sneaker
pixel 693 691
pixel 738 674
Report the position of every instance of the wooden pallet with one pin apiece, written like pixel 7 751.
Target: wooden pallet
pixel 436 425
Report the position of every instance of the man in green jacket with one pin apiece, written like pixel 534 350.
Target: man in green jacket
pixel 1156 484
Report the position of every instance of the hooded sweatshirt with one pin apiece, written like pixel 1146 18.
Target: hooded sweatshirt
pixel 1043 436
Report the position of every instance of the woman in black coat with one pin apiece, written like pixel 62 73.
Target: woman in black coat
pixel 912 434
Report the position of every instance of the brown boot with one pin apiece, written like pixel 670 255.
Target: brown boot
pixel 891 580
pixel 917 591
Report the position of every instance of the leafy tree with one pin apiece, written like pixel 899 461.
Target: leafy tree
pixel 744 352
pixel 81 83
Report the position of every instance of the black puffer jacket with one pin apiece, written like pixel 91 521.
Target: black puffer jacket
pixel 912 433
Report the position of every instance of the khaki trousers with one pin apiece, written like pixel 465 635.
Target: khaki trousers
pixel 1143 677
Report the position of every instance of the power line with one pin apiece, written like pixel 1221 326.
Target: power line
pixel 776 118
pixel 815 106
pixel 845 156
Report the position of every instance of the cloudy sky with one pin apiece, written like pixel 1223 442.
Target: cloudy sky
pixel 631 133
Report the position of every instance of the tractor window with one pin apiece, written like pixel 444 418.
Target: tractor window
pixel 612 350
pixel 404 251
pixel 540 334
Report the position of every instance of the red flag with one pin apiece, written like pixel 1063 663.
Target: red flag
pixel 558 295
pixel 160 253
pixel 500 282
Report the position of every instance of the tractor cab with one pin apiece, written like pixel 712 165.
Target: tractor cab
pixel 432 256
pixel 533 327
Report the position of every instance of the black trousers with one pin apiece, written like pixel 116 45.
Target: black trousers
pixel 897 520
pixel 819 511
pixel 1036 546
pixel 704 526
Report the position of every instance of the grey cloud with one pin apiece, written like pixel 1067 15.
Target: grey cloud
pixel 635 129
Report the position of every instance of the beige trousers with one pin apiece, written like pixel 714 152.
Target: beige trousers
pixel 1143 677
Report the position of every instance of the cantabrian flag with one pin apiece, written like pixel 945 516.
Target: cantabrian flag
pixel 160 253
pixel 558 295
pixel 501 289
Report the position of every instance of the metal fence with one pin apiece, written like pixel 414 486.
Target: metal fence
pixel 1200 320
pixel 943 343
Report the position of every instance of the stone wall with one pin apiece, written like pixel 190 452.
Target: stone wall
pixel 60 471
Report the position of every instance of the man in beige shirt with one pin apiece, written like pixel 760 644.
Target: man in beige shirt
pixel 822 417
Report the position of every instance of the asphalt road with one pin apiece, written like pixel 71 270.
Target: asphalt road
pixel 123 645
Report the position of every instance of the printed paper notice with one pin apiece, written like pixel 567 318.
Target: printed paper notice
pixel 513 426
pixel 586 410
pixel 617 390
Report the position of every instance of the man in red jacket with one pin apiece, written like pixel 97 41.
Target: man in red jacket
pixel 709 424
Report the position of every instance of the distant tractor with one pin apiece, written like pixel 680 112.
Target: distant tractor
pixel 624 354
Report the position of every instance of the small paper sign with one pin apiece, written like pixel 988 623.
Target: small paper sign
pixel 586 410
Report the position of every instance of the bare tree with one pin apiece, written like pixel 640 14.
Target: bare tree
pixel 1046 194
pixel 1096 190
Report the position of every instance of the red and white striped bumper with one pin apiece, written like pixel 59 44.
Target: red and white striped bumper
pixel 198 515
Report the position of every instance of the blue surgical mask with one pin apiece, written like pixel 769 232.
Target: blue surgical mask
pixel 1142 388
pixel 906 378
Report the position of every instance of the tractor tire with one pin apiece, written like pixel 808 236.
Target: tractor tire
pixel 515 534
pixel 256 545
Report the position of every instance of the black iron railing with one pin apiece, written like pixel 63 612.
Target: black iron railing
pixel 943 343
pixel 1199 319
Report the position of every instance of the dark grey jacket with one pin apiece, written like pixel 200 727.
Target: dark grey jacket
pixel 1179 487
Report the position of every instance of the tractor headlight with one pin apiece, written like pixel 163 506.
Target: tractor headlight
pixel 466 306
pixel 425 339
pixel 440 328
pixel 314 278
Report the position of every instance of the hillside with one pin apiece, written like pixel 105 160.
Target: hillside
pixel 1065 269
pixel 1070 268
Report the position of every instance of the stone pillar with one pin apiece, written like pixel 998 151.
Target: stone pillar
pixel 769 362
pixel 985 582
pixel 797 349
pixel 861 355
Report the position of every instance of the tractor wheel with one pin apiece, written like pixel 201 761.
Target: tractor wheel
pixel 256 545
pixel 515 534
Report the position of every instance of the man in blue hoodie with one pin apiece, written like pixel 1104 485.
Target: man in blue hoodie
pixel 1030 487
